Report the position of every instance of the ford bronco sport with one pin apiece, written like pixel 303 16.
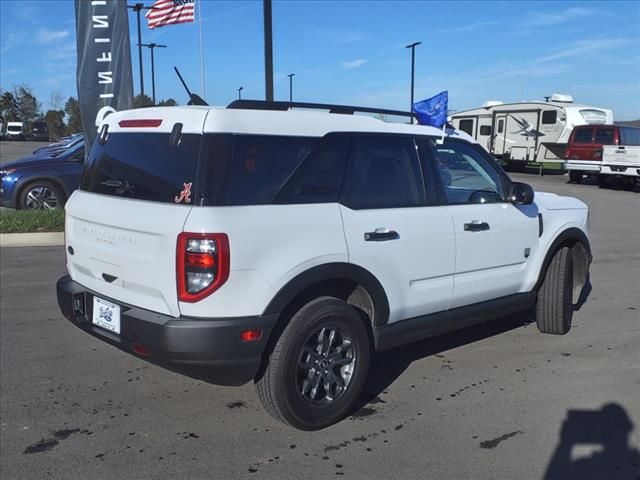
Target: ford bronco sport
pixel 284 246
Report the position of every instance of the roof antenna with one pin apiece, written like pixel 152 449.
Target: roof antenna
pixel 193 98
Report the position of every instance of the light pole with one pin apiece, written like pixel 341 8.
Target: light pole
pixel 413 69
pixel 138 7
pixel 268 51
pixel 240 93
pixel 291 75
pixel 153 46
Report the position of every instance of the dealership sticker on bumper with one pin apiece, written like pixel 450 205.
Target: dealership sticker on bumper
pixel 106 315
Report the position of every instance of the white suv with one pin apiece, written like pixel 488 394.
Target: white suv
pixel 285 246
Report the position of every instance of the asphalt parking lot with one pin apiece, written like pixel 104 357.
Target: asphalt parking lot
pixel 10 151
pixel 498 401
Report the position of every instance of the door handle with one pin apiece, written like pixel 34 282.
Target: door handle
pixel 476 226
pixel 381 235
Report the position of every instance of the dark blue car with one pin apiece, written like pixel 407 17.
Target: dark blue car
pixel 42 181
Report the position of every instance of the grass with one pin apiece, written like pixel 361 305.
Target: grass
pixel 27 221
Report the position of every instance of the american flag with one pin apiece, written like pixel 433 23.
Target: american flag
pixel 168 12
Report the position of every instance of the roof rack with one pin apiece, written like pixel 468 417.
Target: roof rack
pixel 342 109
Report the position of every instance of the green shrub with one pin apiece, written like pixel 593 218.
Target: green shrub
pixel 23 221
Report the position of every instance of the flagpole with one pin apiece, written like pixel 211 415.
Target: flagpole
pixel 201 50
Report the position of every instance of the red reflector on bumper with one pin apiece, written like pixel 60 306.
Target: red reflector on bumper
pixel 251 335
pixel 141 350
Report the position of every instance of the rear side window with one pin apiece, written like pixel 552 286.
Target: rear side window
pixel 261 164
pixel 604 136
pixel 549 117
pixel 629 136
pixel 319 178
pixel 583 135
pixel 143 166
pixel 466 126
pixel 384 173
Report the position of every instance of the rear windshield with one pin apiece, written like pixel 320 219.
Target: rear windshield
pixel 583 135
pixel 604 136
pixel 629 136
pixel 14 128
pixel 144 166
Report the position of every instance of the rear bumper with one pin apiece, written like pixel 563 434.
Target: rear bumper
pixel 628 170
pixel 582 165
pixel 208 349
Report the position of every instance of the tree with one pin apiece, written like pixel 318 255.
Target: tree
pixel 141 101
pixel 56 100
pixel 169 102
pixel 8 107
pixel 27 104
pixel 55 123
pixel 74 121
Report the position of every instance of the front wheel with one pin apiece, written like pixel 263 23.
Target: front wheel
pixel 318 365
pixel 554 307
pixel 41 195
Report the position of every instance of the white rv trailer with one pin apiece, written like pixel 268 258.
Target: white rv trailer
pixel 534 131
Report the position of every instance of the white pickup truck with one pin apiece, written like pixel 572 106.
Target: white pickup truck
pixel 619 160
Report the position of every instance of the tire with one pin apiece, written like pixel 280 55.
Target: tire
pixel 286 386
pixel 554 307
pixel 602 180
pixel 575 176
pixel 41 195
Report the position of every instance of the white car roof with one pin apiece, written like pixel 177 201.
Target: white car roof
pixel 295 122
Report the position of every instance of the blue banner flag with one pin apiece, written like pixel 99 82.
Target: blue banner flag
pixel 432 111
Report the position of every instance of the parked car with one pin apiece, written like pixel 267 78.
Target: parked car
pixel 284 247
pixel 16 131
pixel 62 144
pixel 41 182
pixel 39 132
pixel 584 150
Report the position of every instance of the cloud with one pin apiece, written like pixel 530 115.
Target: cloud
pixel 543 19
pixel 467 28
pixel 583 49
pixel 354 63
pixel 13 40
pixel 46 36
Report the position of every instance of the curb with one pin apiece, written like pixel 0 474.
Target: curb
pixel 45 239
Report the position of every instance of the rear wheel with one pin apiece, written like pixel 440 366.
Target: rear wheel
pixel 554 307
pixel 318 365
pixel 41 195
pixel 575 176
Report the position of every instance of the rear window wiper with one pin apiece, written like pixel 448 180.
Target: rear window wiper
pixel 121 186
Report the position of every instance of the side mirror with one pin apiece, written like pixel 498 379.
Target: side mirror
pixel 521 194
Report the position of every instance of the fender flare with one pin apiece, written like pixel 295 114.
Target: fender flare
pixel 333 271
pixel 570 234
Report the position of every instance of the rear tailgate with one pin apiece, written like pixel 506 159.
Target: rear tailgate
pixel 135 195
pixel 125 249
pixel 621 155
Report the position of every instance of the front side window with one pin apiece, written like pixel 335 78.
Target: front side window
pixel 467 176
pixel 384 173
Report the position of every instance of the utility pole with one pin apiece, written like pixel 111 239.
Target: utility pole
pixel 413 68
pixel 291 75
pixel 268 51
pixel 240 93
pixel 138 7
pixel 153 46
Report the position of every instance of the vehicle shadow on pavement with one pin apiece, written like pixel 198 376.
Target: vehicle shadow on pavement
pixel 387 366
pixel 594 445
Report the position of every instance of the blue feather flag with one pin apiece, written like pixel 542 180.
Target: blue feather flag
pixel 432 111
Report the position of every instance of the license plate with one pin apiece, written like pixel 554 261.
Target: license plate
pixel 106 315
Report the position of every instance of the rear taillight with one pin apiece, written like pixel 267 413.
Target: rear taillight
pixel 202 264
pixel 567 153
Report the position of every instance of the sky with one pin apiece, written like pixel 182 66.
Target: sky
pixel 353 52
